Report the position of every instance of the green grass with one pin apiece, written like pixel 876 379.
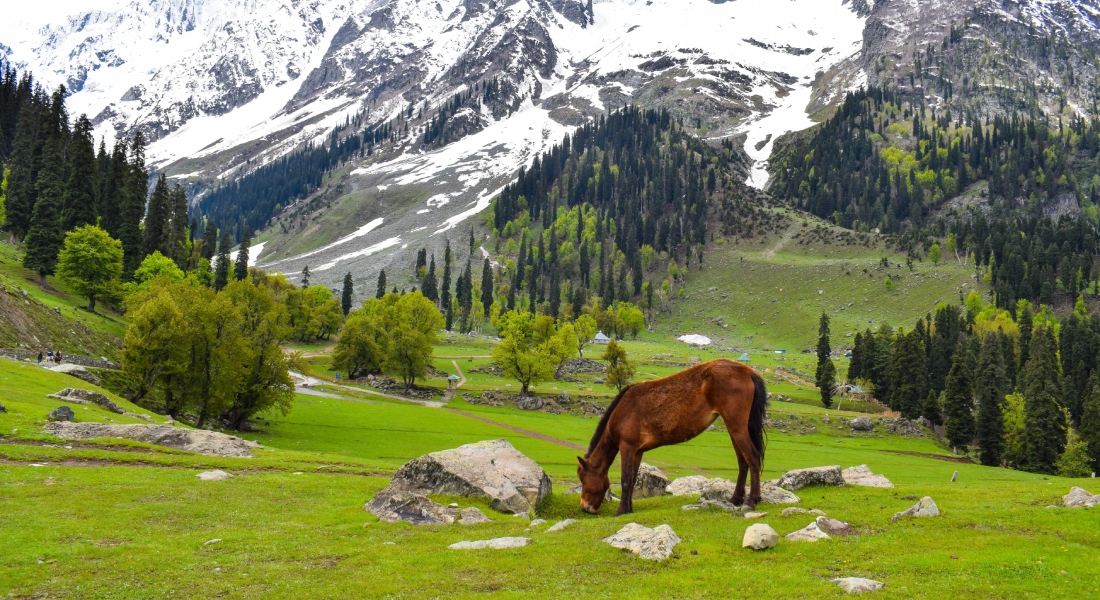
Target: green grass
pixel 135 526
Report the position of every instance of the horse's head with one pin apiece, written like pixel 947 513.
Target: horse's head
pixel 594 486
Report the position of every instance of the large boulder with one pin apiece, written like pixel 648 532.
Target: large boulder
pixel 687 486
pixel 61 414
pixel 924 508
pixel 858 585
pixel 862 424
pixel 493 470
pixel 1079 498
pixel 760 537
pixel 863 476
pixel 79 396
pixel 396 505
pixel 76 371
pixel 199 441
pixel 800 478
pixel 651 482
pixel 650 544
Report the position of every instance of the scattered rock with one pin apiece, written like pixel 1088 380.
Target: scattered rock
pixel 199 441
pixel 651 482
pixel 687 486
pixel 529 403
pixel 1078 498
pixel 794 510
pixel 217 475
pixel 833 527
pixel 954 477
pixel 503 543
pixel 862 476
pixel 213 541
pixel 564 399
pixel 800 478
pixel 78 396
pixel 817 511
pixel 809 533
pixel 473 516
pixel 862 424
pixel 772 494
pixel 760 536
pixel 76 371
pixel 392 506
pixel 650 544
pixel 858 585
pixel 560 525
pixel 537 522
pixel 721 490
pixel 755 515
pixel 61 413
pixel 493 470
pixel 924 508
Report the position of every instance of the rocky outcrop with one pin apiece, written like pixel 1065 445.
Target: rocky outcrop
pixel 493 470
pixel 651 544
pixel 858 585
pixel 79 396
pixel 760 537
pixel 862 424
pixel 76 371
pixel 800 478
pixel 392 506
pixel 1079 498
pixel 651 482
pixel 61 414
pixel 862 476
pixel 925 508
pixel 199 441
pixel 504 543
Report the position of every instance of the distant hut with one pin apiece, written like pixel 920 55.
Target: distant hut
pixel 744 357
pixel 600 338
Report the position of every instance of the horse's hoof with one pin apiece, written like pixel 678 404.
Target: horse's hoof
pixel 737 501
pixel 750 506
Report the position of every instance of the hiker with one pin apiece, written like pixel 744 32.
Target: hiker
pixel 49 356
pixel 39 357
pixel 57 357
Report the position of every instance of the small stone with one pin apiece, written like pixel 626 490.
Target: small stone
pixel 217 475
pixel 473 516
pixel 560 525
pixel 924 508
pixel 833 526
pixel 537 522
pixel 504 543
pixel 858 585
pixel 955 477
pixel 453 505
pixel 817 511
pixel 760 536
pixel 61 413
pixel 213 541
pixel 809 533
pixel 755 515
pixel 651 544
pixel 794 510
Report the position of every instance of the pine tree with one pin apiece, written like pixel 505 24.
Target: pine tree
pixel 824 382
pixel 931 411
pixel 1044 419
pixel 45 237
pixel 23 165
pixel 210 240
pixel 156 219
pixel 347 294
pixel 445 292
pixel 221 268
pixel 114 190
pixel 1090 423
pixel 908 384
pixel 1025 320
pixel 305 277
pixel 240 267
pixel 132 207
pixel 958 404
pixel 990 392
pixel 381 284
pixel 486 286
pixel 429 286
pixel 82 188
pixel 181 233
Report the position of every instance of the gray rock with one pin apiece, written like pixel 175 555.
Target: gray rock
pixel 772 494
pixel 503 543
pixel 651 544
pixel 493 470
pixel 564 399
pixel 858 585
pixel 61 413
pixel 809 533
pixel 217 475
pixel 794 510
pixel 862 424
pixel 755 515
pixel 687 486
pixel 530 403
pixel 760 536
pixel 817 511
pixel 76 371
pixel 560 525
pixel 473 516
pixel 718 490
pixel 210 443
pixel 78 396
pixel 833 527
pixel 721 490
pixel 651 482
pixel 954 477
pixel 392 506
pixel 924 508
pixel 862 476
pixel 537 523
pixel 800 478
pixel 1079 498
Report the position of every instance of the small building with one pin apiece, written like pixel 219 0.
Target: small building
pixel 600 338
pixel 744 357
pixel 783 352
pixel 452 381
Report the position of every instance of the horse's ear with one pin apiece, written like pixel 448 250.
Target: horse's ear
pixel 583 463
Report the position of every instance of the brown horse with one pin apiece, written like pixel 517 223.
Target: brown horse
pixel 672 410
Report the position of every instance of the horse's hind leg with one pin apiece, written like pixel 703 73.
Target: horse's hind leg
pixel 742 473
pixel 631 461
pixel 746 449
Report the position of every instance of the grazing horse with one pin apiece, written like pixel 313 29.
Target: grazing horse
pixel 672 410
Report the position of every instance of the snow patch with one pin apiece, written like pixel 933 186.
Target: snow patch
pixel 364 230
pixel 695 339
pixel 380 246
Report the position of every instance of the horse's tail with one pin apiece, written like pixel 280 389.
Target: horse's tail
pixel 757 414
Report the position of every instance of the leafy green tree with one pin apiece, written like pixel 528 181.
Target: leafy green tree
pixel 958 403
pixel 91 263
pixel 413 334
pixel 155 351
pixel 1044 414
pixel 314 312
pixel 1074 461
pixel 347 294
pixel 585 328
pixel 519 353
pixel 362 346
pixel 153 266
pixel 240 266
pixel 4 197
pixel 620 369
pixel 935 254
pixel 990 392
pixel 632 317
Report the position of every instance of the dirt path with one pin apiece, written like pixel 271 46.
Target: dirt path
pixel 531 434
pixel 783 241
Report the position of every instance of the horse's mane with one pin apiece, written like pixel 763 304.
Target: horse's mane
pixel 602 427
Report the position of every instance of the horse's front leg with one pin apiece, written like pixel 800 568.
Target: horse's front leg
pixel 631 462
